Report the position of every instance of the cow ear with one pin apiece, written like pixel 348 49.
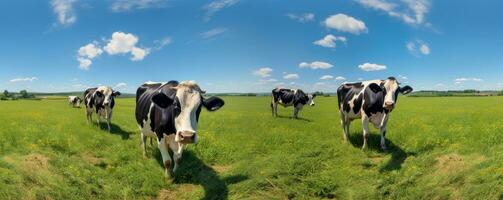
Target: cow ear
pixel 375 88
pixel 116 93
pixel 213 103
pixel 162 100
pixel 99 94
pixel 406 89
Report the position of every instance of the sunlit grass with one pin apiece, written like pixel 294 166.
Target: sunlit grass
pixel 440 148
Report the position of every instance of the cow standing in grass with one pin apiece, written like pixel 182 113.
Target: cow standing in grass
pixel 170 112
pixel 290 97
pixel 102 101
pixel 372 101
pixel 74 101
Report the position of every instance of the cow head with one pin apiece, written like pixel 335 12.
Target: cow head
pixel 391 89
pixel 311 99
pixel 105 96
pixel 184 105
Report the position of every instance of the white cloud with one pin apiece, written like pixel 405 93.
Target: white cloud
pixel 138 53
pixel 122 43
pixel 90 51
pixel 371 67
pixel 25 79
pixel 329 41
pixel 127 5
pixel 302 18
pixel 326 77
pixel 84 63
pixel 316 65
pixel 213 32
pixel 64 11
pixel 410 11
pixel 291 76
pixel 340 78
pixel 418 47
pixel 344 23
pixel 216 6
pixel 402 77
pixel 263 72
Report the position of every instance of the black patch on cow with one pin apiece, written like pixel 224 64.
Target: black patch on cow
pixel 346 92
pixel 374 99
pixel 358 103
pixel 89 97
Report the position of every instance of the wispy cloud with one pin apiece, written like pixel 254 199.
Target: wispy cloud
pixel 64 11
pixel 291 76
pixel 326 77
pixel 129 5
pixel 418 47
pixel 216 6
pixel 213 33
pixel 302 18
pixel 263 72
pixel 23 79
pixel 409 11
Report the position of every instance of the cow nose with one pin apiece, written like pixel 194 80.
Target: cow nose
pixel 187 137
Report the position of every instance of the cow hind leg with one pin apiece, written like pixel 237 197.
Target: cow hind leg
pixel 296 112
pixel 365 125
pixel 274 108
pixel 166 158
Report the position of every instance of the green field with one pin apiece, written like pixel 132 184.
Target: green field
pixel 439 148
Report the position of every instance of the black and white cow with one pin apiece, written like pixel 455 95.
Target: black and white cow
pixel 74 101
pixel 372 101
pixel 290 97
pixel 170 112
pixel 100 100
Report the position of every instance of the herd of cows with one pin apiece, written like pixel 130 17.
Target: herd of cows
pixel 170 111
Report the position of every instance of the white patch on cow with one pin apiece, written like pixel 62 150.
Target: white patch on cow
pixel 189 95
pixel 391 86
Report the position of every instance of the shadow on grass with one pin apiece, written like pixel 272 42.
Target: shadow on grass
pixel 398 155
pixel 192 170
pixel 114 129
pixel 300 118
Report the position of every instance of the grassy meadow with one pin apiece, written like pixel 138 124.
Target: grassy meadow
pixel 439 148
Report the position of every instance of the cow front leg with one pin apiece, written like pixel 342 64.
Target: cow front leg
pixel 109 119
pixel 295 112
pixel 274 107
pixel 143 139
pixel 345 127
pixel 382 131
pixel 365 125
pixel 166 158
pixel 383 138
pixel 177 149
pixel 98 113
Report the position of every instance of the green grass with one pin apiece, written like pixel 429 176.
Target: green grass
pixel 439 148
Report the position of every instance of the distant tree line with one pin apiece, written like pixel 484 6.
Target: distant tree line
pixel 23 94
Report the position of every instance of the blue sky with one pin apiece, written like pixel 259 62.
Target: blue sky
pixel 250 45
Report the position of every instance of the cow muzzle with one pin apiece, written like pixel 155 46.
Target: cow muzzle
pixel 389 106
pixel 186 137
